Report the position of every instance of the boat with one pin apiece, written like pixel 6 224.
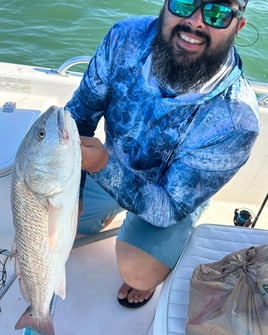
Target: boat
pixel 93 279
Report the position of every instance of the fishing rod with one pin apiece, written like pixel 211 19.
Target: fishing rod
pixel 244 217
pixel 260 210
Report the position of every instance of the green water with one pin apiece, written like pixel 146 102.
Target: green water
pixel 47 32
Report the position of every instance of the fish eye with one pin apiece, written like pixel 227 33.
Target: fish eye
pixel 42 133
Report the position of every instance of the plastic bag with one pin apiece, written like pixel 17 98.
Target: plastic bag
pixel 230 297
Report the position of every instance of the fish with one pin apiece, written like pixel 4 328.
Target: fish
pixel 44 202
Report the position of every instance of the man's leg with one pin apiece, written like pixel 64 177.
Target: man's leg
pixel 146 254
pixel 140 271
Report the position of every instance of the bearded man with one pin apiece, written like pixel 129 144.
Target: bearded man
pixel 180 121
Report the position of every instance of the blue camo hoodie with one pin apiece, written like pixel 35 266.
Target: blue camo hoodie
pixel 167 155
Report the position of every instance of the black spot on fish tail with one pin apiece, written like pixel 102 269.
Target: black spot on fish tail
pixel 42 326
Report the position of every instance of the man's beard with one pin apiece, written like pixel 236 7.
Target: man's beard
pixel 176 69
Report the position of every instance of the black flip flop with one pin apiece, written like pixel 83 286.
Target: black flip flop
pixel 124 302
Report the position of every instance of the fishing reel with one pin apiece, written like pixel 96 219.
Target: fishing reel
pixel 243 217
pixel 4 256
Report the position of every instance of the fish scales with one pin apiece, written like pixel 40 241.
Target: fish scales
pixel 44 199
pixel 30 242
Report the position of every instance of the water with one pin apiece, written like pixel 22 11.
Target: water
pixel 47 32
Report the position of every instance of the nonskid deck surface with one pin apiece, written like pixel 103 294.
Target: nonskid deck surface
pixel 91 305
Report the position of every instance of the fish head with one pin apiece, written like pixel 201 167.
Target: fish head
pixel 47 156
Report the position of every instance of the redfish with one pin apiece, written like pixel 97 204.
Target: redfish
pixel 44 199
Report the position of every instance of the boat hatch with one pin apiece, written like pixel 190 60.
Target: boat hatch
pixel 14 124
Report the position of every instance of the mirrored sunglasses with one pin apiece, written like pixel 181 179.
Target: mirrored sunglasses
pixel 214 14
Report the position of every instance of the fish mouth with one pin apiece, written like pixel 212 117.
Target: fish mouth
pixel 62 127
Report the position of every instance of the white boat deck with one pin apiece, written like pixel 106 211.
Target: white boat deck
pixel 91 306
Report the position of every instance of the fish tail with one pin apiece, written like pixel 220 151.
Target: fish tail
pixel 42 326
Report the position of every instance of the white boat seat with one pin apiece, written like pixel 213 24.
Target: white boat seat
pixel 208 243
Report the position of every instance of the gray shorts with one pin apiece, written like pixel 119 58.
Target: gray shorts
pixel 164 244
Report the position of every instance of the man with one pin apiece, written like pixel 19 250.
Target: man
pixel 180 121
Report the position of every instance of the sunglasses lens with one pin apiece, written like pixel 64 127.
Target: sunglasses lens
pixel 217 16
pixel 182 8
pixel 214 15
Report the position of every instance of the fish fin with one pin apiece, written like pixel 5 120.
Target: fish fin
pixel 13 250
pixel 75 218
pixel 52 225
pixel 43 326
pixel 61 288
pixel 52 241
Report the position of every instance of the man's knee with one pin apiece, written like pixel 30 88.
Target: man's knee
pixel 139 269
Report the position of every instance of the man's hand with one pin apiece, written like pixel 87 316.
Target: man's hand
pixel 94 155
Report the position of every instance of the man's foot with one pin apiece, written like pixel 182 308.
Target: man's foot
pixel 132 298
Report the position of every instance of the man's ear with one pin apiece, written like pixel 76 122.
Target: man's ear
pixel 241 24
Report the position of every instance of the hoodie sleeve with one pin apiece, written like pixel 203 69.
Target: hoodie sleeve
pixel 192 177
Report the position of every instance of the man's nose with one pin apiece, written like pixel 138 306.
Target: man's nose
pixel 196 19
